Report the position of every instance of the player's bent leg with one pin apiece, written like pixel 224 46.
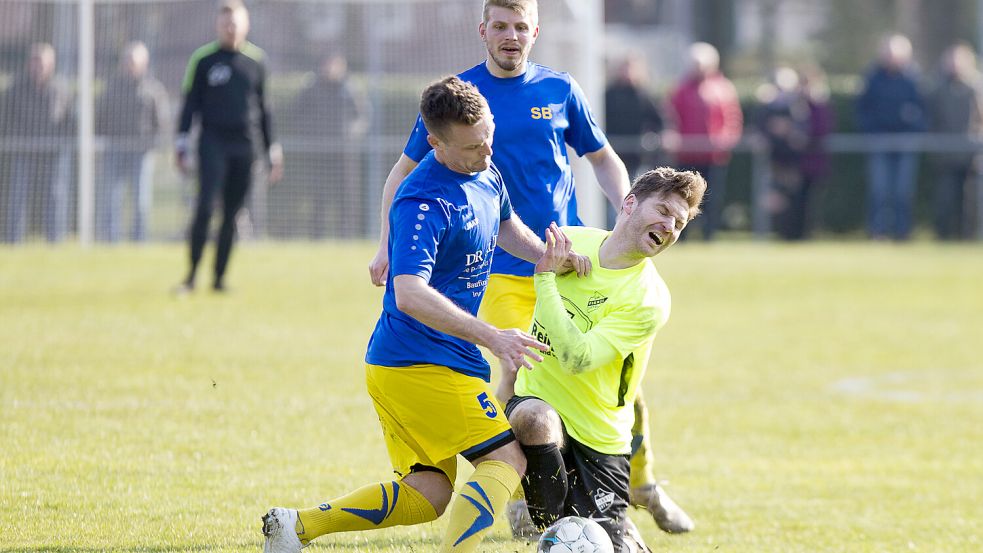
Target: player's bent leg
pixel 379 505
pixel 642 461
pixel 418 498
pixel 669 516
pixel 540 433
pixel 495 479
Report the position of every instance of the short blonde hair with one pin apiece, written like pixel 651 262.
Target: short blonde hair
pixel 522 7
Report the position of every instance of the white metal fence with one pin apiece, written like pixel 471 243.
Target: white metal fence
pixel 81 159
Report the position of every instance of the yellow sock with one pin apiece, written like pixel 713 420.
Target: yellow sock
pixel 641 458
pixel 476 505
pixel 379 505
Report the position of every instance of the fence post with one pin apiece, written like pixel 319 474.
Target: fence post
pixel 86 127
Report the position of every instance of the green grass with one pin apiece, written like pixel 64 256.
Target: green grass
pixel 827 397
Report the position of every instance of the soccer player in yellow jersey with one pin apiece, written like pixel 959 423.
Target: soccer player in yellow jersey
pixel 572 412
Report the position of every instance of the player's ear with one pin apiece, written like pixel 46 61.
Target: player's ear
pixel 629 203
pixel 482 31
pixel 433 141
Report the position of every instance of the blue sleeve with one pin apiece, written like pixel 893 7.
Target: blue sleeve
pixel 415 228
pixel 505 211
pixel 583 135
pixel 417 145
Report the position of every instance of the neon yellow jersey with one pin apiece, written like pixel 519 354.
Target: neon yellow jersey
pixel 600 330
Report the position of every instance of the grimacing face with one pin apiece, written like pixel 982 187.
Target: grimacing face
pixel 656 222
pixel 509 37
pixel 466 148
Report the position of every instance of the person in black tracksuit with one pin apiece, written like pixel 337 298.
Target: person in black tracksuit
pixel 224 86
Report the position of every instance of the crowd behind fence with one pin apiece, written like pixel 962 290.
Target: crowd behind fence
pixel 345 82
pixel 58 173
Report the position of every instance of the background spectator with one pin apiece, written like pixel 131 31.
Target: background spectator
pixel 631 113
pixel 954 108
pixel 708 120
pixel 891 103
pixel 130 116
pixel 784 123
pixel 795 119
pixel 38 118
pixel 331 118
pixel 815 159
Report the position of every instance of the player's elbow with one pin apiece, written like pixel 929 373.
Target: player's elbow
pixel 405 301
pixel 575 362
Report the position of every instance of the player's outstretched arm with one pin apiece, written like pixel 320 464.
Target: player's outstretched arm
pixel 611 174
pixel 416 298
pixel 379 266
pixel 576 351
pixel 519 240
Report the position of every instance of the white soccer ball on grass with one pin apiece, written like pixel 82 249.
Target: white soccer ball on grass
pixel 575 535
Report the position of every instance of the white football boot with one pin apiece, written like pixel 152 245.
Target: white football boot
pixel 280 529
pixel 669 516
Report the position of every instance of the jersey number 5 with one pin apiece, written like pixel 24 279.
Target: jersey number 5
pixel 487 405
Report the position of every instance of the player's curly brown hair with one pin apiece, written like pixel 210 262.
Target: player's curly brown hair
pixel 451 100
pixel 690 185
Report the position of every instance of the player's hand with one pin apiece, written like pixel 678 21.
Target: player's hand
pixel 514 348
pixel 276 164
pixel 559 257
pixel 575 262
pixel 181 161
pixel 379 266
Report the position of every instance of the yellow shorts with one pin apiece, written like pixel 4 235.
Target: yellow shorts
pixel 430 414
pixel 509 302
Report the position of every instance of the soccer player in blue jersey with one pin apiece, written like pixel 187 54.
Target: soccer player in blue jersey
pixel 538 112
pixel 426 377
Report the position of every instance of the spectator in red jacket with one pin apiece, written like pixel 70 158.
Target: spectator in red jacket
pixel 708 121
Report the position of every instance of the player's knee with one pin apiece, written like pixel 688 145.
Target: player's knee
pixel 435 487
pixel 510 454
pixel 536 424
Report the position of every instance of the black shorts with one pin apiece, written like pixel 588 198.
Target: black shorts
pixel 597 483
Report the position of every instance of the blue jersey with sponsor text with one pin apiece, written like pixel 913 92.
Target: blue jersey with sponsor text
pixel 536 115
pixel 443 226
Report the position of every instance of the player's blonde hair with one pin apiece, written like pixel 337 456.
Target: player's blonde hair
pixel 689 185
pixel 522 7
pixel 451 100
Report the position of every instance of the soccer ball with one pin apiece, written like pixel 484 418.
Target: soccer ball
pixel 575 535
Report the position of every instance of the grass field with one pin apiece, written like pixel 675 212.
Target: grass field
pixel 827 397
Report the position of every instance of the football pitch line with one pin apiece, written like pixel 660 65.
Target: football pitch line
pixel 907 387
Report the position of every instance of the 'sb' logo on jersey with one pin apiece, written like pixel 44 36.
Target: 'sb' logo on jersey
pixel 544 112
